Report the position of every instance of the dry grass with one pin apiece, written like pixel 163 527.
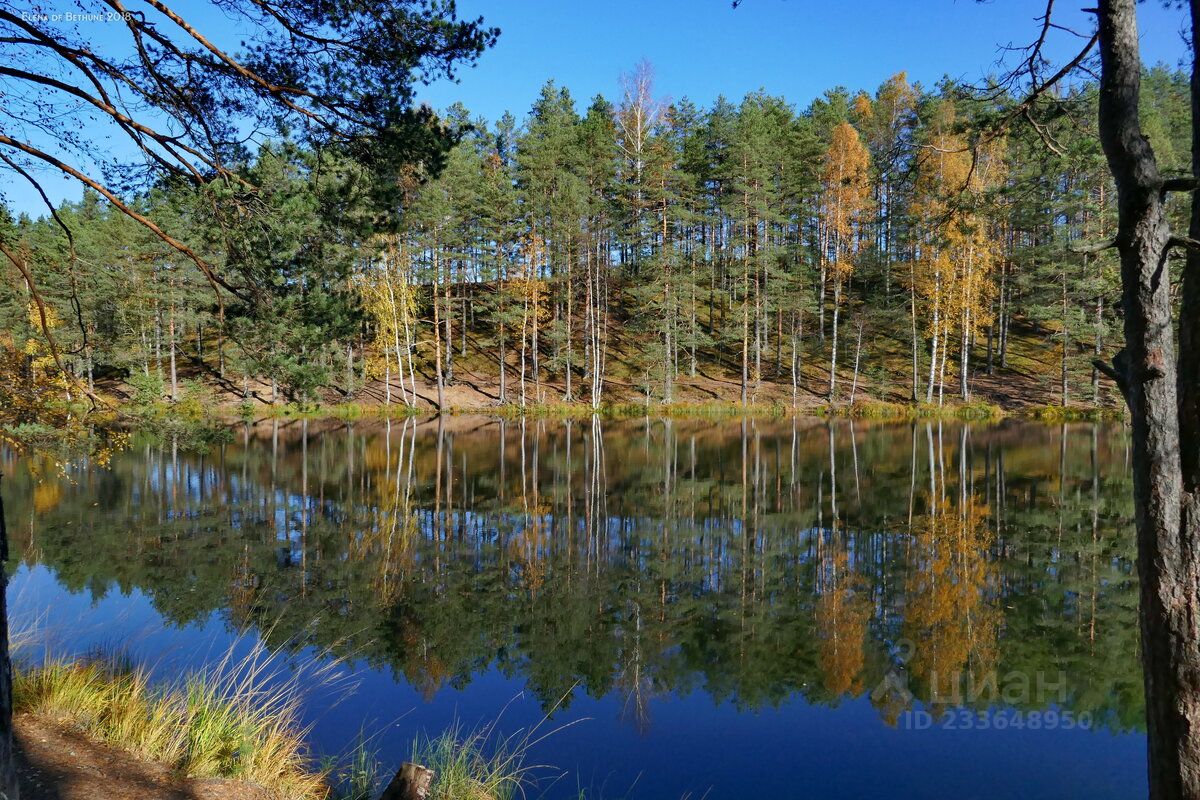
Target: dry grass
pixel 238 719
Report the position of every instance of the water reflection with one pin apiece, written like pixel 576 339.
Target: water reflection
pixel 755 562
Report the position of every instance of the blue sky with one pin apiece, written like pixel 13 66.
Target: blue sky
pixel 795 48
pixel 704 48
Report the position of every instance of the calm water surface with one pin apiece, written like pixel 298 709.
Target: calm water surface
pixel 760 609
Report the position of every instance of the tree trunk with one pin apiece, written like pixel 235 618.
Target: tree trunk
pixel 8 767
pixel 171 334
pixel 448 370
pixel 1098 350
pixel 857 360
pixel 437 342
pixel 503 362
pixel 1167 509
pixel 1005 314
pixel 569 359
pixel 833 354
pixel 912 307
pixel 1066 340
pixel 745 331
pixel 797 335
pixel 991 337
pixel 1189 318
pixel 964 360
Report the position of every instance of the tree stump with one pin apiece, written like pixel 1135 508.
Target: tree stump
pixel 411 782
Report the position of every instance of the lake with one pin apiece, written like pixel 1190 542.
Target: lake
pixel 677 609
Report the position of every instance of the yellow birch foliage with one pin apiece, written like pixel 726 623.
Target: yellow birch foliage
pixel 390 298
pixel 957 255
pixel 845 197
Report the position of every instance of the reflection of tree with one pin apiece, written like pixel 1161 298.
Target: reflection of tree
pixel 638 556
pixel 243 592
pixel 950 613
pixel 388 542
pixel 633 679
pixel 842 613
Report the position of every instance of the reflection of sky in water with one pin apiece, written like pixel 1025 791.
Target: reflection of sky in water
pixel 692 747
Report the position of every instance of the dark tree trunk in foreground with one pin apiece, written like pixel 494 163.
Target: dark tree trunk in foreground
pixel 8 766
pixel 1161 392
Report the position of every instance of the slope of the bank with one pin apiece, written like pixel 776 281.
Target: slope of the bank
pixel 58 763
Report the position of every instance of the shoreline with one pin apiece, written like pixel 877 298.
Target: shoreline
pixel 711 410
pixel 98 728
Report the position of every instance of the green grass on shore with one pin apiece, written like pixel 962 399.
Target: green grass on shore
pixel 909 411
pixel 346 412
pixel 164 420
pixel 713 410
pixel 1074 413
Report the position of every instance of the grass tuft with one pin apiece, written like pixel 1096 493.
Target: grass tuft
pixel 238 719
pixel 474 764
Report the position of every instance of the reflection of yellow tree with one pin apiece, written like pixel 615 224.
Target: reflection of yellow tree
pixel 423 668
pixel 46 495
pixel 950 617
pixel 389 541
pixel 842 614
pixel 527 547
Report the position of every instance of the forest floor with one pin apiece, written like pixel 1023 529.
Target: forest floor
pixel 57 763
pixel 1030 380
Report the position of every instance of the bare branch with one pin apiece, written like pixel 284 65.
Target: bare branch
pixel 1108 370
pixel 1183 241
pixel 1117 372
pixel 1095 247
pixel 1187 184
